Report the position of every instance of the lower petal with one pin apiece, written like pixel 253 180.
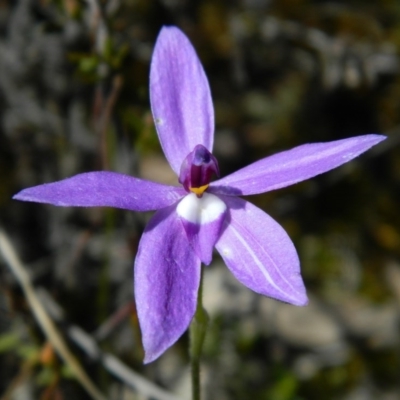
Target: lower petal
pixel 167 277
pixel 260 254
pixel 202 219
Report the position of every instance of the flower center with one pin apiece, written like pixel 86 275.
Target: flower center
pixel 197 169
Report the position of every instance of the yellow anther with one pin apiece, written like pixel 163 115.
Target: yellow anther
pixel 199 191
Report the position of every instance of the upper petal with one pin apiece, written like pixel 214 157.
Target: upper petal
pixel 104 189
pixel 260 254
pixel 292 166
pixel 167 277
pixel 180 97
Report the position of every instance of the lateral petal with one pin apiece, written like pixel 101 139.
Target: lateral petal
pixel 103 189
pixel 292 166
pixel 166 282
pixel 180 97
pixel 260 254
pixel 202 219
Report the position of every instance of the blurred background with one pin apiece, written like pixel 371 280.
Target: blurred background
pixel 74 98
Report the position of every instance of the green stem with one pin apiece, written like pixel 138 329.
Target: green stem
pixel 197 333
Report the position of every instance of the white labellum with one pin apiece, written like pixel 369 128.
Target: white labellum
pixel 203 210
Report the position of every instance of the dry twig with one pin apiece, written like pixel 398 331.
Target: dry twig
pixel 43 318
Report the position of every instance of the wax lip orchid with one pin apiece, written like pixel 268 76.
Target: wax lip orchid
pixel 199 215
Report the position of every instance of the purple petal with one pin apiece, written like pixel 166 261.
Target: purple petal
pixel 260 254
pixel 202 219
pixel 104 189
pixel 167 277
pixel 292 166
pixel 180 97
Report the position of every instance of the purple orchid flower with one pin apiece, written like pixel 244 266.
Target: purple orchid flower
pixel 193 219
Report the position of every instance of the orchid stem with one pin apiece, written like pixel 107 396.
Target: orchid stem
pixel 197 333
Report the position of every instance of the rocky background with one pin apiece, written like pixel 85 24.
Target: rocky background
pixel 74 98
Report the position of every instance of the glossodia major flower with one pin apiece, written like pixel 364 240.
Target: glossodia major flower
pixel 199 215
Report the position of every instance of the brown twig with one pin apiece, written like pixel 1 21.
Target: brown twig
pixel 104 119
pixel 24 373
pixel 42 317
pixel 111 363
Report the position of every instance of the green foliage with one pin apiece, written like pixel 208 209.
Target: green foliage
pixel 284 387
pixel 8 342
